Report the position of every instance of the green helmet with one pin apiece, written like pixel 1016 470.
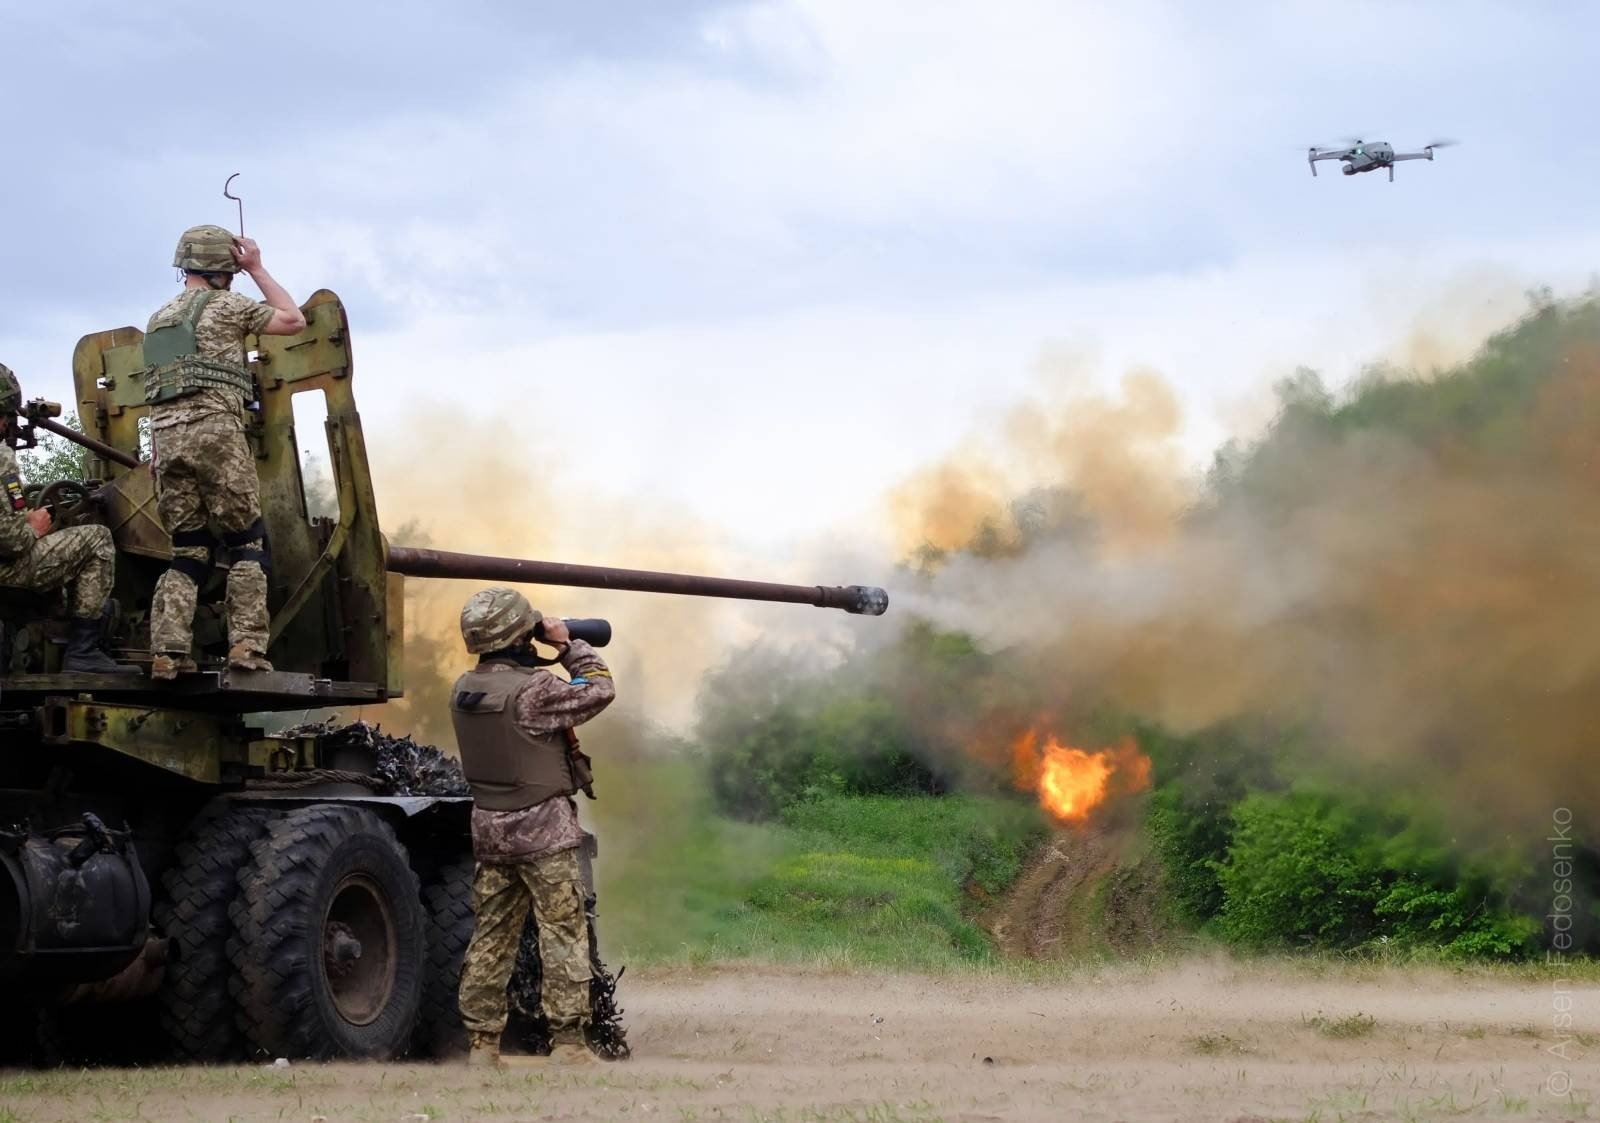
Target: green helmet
pixel 497 618
pixel 206 249
pixel 10 391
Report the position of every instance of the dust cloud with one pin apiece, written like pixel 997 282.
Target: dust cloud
pixel 485 490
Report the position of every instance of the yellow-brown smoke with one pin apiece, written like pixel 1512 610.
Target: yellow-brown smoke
pixel 1426 597
pixel 484 489
pixel 1118 454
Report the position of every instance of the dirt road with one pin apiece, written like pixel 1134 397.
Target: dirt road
pixel 1196 1040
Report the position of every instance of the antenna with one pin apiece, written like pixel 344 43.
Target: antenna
pixel 226 194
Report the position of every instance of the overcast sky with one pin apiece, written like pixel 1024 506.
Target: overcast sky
pixel 760 260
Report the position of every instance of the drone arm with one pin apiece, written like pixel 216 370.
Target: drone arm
pixel 1425 154
pixel 1315 154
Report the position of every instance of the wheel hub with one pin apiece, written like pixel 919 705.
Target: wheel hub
pixel 359 949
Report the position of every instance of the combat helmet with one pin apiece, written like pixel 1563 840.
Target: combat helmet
pixel 206 249
pixel 496 618
pixel 10 391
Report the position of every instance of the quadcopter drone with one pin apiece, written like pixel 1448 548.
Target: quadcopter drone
pixel 1364 156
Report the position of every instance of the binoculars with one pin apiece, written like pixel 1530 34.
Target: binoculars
pixel 596 633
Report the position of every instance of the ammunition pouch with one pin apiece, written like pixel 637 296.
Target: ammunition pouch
pixel 190 376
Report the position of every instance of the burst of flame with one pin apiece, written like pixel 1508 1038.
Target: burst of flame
pixel 1072 783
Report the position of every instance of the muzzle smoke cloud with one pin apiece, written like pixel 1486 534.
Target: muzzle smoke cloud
pixel 1410 573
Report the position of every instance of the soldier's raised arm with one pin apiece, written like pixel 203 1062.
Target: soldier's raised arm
pixel 287 319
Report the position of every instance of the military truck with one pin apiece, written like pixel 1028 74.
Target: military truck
pixel 255 894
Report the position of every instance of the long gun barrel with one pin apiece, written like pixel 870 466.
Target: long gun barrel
pixel 414 562
pixel 40 414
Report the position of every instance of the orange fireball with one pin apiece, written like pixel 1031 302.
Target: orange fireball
pixel 1072 783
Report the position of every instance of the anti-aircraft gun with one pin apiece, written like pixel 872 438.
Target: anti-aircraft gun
pixel 156 846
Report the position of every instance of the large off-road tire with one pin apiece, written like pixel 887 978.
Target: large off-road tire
pixel 18 1029
pixel 196 1007
pixel 447 898
pixel 329 938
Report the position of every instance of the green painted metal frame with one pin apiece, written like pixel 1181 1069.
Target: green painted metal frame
pixel 330 594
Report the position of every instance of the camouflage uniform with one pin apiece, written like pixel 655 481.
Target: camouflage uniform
pixel 80 559
pixel 205 471
pixel 528 857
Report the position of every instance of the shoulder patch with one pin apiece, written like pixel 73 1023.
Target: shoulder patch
pixel 11 485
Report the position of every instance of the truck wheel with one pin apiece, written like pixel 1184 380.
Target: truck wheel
pixel 329 939
pixel 196 1009
pixel 447 898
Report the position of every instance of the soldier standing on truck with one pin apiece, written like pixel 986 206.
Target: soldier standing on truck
pixel 198 383
pixel 514 724
pixel 79 559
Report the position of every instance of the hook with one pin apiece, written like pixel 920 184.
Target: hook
pixel 226 194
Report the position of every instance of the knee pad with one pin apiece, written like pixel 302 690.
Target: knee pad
pixel 195 569
pixel 250 544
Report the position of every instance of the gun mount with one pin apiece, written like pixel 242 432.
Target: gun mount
pixel 134 816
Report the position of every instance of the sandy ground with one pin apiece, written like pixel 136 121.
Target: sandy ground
pixel 1192 1041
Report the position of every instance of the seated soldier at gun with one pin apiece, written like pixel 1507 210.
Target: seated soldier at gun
pixel 80 559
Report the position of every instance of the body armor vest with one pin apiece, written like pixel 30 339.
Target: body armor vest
pixel 173 366
pixel 507 768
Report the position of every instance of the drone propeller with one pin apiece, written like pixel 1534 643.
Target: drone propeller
pixel 1442 144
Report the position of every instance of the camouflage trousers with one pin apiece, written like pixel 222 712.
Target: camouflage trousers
pixel 79 559
pixel 205 472
pixel 502 896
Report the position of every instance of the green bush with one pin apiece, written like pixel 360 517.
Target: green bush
pixel 1289 875
pixel 892 724
pixel 1197 780
pixel 1308 869
pixel 847 746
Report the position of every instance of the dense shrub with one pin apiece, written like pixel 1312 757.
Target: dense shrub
pixel 1306 869
pixel 888 724
pixel 1197 780
pixel 846 746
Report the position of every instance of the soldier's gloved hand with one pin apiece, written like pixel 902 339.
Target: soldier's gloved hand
pixel 39 520
pixel 553 630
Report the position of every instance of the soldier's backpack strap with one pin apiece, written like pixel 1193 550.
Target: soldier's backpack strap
pixel 174 367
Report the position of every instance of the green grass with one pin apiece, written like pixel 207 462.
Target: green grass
pixel 845 880
pixel 1354 1025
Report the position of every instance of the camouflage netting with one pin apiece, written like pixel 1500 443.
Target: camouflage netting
pixel 404 767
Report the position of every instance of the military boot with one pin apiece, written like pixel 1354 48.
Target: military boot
pixel 242 658
pixel 569 1047
pixel 485 1053
pixel 169 664
pixel 84 655
pixel 572 1053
